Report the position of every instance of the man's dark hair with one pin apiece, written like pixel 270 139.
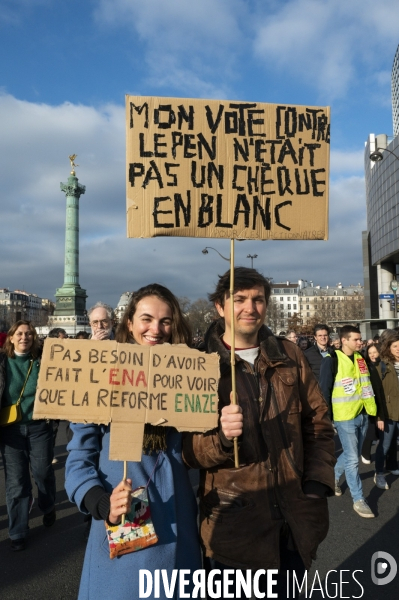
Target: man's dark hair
pixel 346 331
pixel 82 335
pixel 54 333
pixel 376 338
pixel 321 327
pixel 244 279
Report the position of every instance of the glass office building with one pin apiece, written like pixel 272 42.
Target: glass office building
pixel 395 93
pixel 381 241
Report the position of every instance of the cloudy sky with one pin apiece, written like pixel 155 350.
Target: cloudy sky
pixel 66 67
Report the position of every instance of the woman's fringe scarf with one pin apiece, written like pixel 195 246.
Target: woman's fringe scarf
pixel 154 439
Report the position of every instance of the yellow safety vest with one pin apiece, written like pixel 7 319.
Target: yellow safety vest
pixel 352 388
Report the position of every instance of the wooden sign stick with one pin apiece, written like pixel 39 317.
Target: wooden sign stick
pixel 233 346
pixel 124 479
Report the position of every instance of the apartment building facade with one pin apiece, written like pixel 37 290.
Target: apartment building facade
pixel 19 304
pixel 296 305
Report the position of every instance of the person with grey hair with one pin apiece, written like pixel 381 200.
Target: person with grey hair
pixel 292 336
pixel 102 320
pixel 335 340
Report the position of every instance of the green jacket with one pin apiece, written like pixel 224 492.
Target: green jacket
pixel 13 372
pixel 388 393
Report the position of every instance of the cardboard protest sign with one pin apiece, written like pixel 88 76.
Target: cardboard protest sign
pixel 226 169
pixel 127 385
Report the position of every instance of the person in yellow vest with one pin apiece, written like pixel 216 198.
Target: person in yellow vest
pixel 347 389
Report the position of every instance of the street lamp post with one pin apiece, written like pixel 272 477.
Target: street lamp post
pixel 205 251
pixel 394 288
pixel 377 155
pixel 232 341
pixel 252 256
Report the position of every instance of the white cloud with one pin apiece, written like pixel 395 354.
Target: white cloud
pixel 348 202
pixel 383 78
pixel 191 46
pixel 346 162
pixel 168 73
pixel 177 23
pixel 202 48
pixel 35 143
pixel 337 259
pixel 322 43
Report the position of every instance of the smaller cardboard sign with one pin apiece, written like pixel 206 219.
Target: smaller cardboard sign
pixel 127 385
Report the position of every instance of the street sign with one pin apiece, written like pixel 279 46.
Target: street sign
pixel 386 296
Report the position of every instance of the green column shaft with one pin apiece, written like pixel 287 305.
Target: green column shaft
pixel 73 191
pixel 71 271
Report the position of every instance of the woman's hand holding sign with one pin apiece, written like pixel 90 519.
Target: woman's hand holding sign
pixel 121 499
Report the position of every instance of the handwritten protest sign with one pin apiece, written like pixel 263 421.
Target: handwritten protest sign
pixel 127 385
pixel 226 169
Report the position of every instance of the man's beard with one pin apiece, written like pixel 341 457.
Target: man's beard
pixel 109 331
pixel 247 331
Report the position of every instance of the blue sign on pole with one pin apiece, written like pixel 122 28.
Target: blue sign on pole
pixel 386 296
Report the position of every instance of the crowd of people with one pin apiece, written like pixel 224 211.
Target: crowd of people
pixel 270 511
pixel 365 407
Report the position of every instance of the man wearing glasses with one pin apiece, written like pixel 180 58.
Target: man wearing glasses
pixel 102 319
pixel 292 336
pixel 315 353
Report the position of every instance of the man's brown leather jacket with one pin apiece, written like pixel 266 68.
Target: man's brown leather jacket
pixel 286 447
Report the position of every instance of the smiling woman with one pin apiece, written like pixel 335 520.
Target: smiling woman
pixel 152 317
pixel 152 322
pixel 153 313
pixel 25 444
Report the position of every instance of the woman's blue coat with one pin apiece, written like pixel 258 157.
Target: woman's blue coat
pixel 173 511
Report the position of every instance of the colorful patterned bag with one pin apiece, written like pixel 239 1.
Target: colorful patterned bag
pixel 138 531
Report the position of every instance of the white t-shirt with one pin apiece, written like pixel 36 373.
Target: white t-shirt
pixel 248 354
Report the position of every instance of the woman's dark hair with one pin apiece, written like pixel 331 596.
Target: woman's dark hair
pixel 390 336
pixel 368 359
pixel 181 332
pixel 8 347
